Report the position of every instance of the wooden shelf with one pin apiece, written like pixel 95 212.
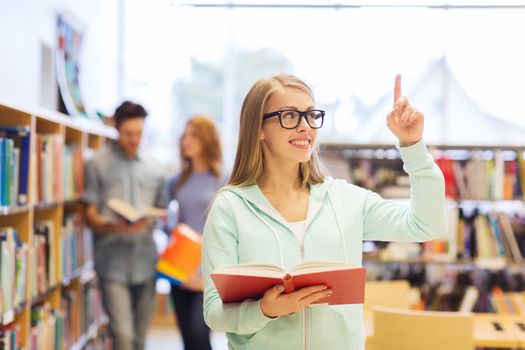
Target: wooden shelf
pixel 68 280
pixel 90 334
pixel 13 210
pixel 46 206
pixel 489 263
pixel 68 131
pixel 43 296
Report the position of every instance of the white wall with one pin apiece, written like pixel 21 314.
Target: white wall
pixel 27 25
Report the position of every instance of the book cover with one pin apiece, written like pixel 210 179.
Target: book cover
pixel 182 256
pixel 8 168
pixel 250 281
pixel 2 176
pixel 132 214
pixel 15 175
pixel 510 237
pixel 22 138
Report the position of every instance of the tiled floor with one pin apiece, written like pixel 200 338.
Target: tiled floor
pixel 166 338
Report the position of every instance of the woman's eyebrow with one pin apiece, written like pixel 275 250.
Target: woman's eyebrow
pixel 295 107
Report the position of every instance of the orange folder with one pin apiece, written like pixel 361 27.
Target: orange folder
pixel 182 256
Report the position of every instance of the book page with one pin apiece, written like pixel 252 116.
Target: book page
pixel 153 212
pixel 320 266
pixel 255 269
pixel 131 213
pixel 123 208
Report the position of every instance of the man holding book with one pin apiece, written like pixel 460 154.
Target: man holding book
pixel 125 253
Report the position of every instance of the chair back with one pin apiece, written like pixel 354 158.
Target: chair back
pixel 399 329
pixel 387 293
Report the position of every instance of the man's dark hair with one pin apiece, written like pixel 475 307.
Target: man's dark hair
pixel 128 110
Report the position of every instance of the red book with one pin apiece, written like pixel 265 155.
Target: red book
pixel 237 283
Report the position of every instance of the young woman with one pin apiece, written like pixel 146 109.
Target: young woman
pixel 194 188
pixel 279 208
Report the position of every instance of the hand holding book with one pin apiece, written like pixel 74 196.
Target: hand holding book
pixel 274 303
pixel 194 283
pixel 124 226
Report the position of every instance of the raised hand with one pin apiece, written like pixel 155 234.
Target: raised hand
pixel 405 121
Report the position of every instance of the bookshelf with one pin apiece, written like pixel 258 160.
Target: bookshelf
pixel 49 294
pixel 485 186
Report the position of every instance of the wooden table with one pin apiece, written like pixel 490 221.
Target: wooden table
pixel 490 330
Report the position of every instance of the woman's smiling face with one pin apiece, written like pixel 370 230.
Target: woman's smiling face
pixel 295 145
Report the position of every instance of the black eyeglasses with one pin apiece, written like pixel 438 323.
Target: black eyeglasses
pixel 291 118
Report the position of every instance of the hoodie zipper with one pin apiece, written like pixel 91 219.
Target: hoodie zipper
pixel 301 248
pixel 305 318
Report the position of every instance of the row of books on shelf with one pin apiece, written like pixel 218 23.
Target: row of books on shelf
pixel 478 291
pixel 506 302
pixel 498 177
pixel 75 250
pixel 63 328
pixel 442 287
pixel 60 174
pixel 10 337
pixel 59 167
pixel 42 269
pixel 487 240
pixel 59 329
pixel 13 266
pixel 495 237
pixel 76 245
pixel 482 175
pixel 92 309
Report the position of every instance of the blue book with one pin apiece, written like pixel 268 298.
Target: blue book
pixel 8 156
pixel 497 234
pixel 22 138
pixel 2 165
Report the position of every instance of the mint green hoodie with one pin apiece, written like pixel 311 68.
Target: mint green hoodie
pixel 243 227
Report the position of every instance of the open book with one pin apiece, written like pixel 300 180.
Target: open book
pixel 249 281
pixel 132 214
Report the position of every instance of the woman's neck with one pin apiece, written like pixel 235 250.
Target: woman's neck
pixel 280 178
pixel 199 165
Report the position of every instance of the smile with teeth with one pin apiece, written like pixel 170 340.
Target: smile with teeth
pixel 300 143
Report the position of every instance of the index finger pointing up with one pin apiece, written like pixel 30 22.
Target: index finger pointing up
pixel 397 88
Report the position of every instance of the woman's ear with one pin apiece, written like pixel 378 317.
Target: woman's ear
pixel 261 136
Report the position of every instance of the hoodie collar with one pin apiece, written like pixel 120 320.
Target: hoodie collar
pixel 254 195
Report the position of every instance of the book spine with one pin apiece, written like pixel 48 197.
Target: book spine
pixel 8 150
pixel 2 176
pixel 24 169
pixel 288 284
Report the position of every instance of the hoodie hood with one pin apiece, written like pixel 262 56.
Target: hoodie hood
pixel 257 202
pixel 253 195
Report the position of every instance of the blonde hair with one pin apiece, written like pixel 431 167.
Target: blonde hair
pixel 248 164
pixel 207 133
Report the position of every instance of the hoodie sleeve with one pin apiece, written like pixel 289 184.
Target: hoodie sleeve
pixel 219 248
pixel 424 218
